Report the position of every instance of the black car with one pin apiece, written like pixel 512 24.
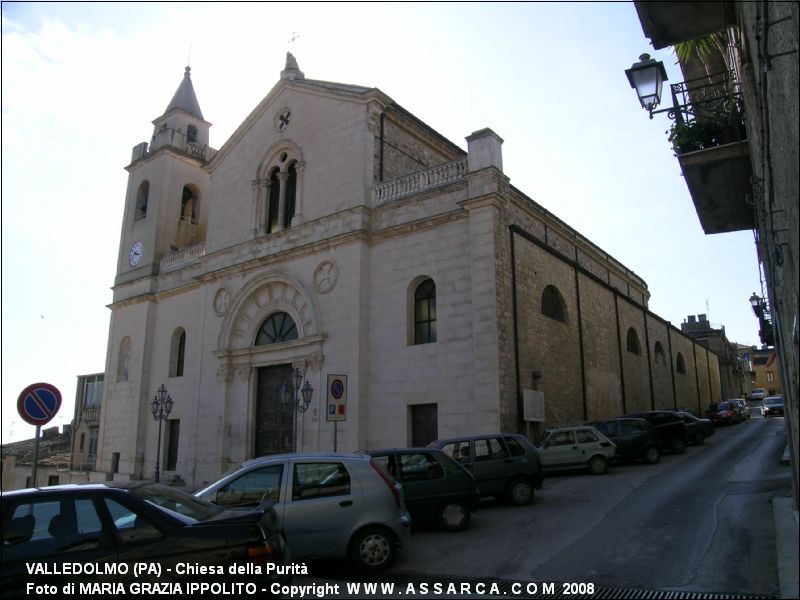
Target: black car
pixel 437 488
pixel 636 439
pixel 110 530
pixel 670 428
pixel 772 407
pixel 698 429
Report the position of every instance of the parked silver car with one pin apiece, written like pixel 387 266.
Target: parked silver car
pixel 331 505
pixel 580 447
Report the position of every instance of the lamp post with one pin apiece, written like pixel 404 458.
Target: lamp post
pixel 760 309
pixel 647 78
pixel 160 406
pixel 299 402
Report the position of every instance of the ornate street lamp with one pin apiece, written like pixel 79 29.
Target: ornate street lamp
pixel 765 331
pixel 160 406
pixel 647 78
pixel 756 302
pixel 300 402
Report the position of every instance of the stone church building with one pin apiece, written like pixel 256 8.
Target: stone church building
pixel 418 293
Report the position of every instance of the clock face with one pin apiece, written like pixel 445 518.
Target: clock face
pixel 135 255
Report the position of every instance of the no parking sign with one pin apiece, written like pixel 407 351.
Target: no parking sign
pixel 38 403
pixel 337 398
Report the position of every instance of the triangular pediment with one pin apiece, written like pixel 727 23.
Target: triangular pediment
pixel 322 89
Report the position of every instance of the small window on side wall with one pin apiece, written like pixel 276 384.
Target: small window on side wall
pixel 141 200
pixel 660 355
pixel 680 364
pixel 633 342
pixel 425 313
pixel 553 305
pixel 177 352
pixel 124 362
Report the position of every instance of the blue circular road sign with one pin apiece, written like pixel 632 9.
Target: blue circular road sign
pixel 38 403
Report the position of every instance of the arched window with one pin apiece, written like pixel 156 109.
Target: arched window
pixel 680 364
pixel 191 133
pixel 177 352
pixel 633 342
pixel 553 305
pixel 425 312
pixel 274 198
pixel 124 361
pixel 291 193
pixel 141 200
pixel 660 355
pixel 188 206
pixel 278 327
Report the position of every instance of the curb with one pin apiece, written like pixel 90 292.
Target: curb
pixel 785 520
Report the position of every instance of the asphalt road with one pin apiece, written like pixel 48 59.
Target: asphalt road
pixel 698 522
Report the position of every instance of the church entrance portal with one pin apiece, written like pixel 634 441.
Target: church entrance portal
pixel 273 413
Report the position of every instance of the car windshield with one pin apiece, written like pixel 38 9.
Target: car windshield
pixel 177 501
pixel 774 401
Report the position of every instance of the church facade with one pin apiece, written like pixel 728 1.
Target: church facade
pixel 338 238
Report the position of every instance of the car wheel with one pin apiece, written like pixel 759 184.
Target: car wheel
pixel 598 465
pixel 652 455
pixel 453 516
pixel 372 549
pixel 678 446
pixel 520 492
pixel 699 438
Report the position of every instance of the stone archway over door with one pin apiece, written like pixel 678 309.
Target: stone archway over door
pixel 273 433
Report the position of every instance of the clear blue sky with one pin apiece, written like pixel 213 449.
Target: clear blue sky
pixel 81 84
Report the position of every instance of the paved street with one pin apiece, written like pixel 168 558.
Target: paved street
pixel 699 522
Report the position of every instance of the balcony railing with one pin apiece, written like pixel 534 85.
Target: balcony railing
pixel 179 258
pixel 90 414
pixel 85 463
pixel 420 181
pixel 196 150
pixel 706 112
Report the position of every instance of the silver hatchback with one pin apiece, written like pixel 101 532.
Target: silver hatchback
pixel 580 447
pixel 331 505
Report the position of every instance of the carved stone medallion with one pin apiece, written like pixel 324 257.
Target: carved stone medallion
pixel 325 276
pixel 221 300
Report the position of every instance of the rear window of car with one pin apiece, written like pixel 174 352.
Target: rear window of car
pixel 177 501
pixel 586 436
pixel 419 467
pixel 629 427
pixel 458 450
pixel 42 527
pixel 489 448
pixel 316 480
pixel 514 446
pixel 608 428
pixel 773 401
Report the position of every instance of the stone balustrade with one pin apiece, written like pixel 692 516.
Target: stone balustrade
pixel 179 258
pixel 420 181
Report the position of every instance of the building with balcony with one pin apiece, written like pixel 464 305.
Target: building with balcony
pixel 412 286
pixel 745 57
pixel 86 421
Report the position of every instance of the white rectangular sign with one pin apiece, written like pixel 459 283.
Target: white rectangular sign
pixel 533 405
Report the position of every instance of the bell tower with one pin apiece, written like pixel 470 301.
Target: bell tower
pixel 163 227
pixel 166 204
